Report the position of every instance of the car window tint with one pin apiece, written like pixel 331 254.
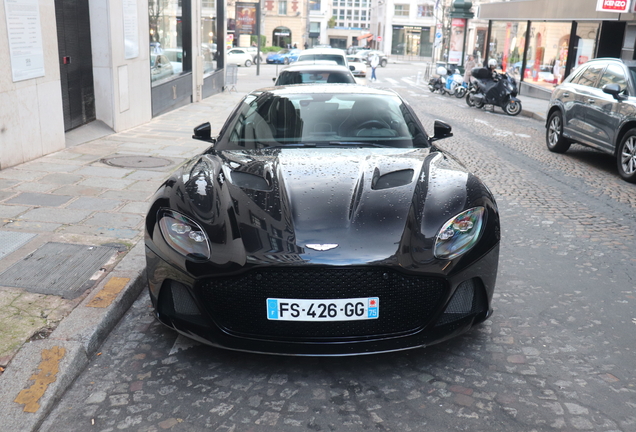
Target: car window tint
pixel 576 74
pixel 590 75
pixel 294 77
pixel 337 58
pixel 293 119
pixel 632 73
pixel 614 74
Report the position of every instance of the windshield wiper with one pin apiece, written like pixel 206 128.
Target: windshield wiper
pixel 293 145
pixel 357 144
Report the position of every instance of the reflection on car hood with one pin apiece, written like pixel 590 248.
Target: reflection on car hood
pixel 288 205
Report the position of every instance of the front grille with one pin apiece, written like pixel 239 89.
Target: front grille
pixel 238 304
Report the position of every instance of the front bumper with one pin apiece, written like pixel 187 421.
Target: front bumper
pixel 204 310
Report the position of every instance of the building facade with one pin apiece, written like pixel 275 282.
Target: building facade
pixel 406 28
pixel 68 63
pixel 541 41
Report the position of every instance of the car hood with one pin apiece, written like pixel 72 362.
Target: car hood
pixel 324 206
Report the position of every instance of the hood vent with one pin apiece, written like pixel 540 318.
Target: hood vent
pixel 250 181
pixel 392 179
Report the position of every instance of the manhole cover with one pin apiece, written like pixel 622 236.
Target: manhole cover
pixel 133 161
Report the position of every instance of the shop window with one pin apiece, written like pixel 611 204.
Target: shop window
pixel 547 53
pixel 209 49
pixel 507 43
pixel 411 40
pixel 166 27
pixel 585 42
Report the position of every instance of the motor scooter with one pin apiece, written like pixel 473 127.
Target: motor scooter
pixel 438 83
pixel 500 90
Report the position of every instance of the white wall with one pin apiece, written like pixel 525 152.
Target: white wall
pixel 31 119
pixel 122 87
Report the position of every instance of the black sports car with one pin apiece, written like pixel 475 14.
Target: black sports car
pixel 322 221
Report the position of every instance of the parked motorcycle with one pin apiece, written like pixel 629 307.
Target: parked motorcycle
pixel 438 83
pixel 500 91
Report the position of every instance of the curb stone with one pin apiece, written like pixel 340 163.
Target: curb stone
pixel 42 371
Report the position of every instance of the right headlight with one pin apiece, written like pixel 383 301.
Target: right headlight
pixel 184 235
pixel 458 235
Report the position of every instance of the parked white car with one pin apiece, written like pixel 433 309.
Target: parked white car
pixel 334 54
pixel 252 51
pixel 359 63
pixel 240 57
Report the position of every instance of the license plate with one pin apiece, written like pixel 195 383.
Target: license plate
pixel 352 309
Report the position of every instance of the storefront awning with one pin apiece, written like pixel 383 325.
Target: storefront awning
pixel 314 35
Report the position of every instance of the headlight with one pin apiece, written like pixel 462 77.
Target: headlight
pixel 459 234
pixel 184 235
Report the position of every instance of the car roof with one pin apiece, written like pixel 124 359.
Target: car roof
pixel 353 89
pixel 310 66
pixel 613 59
pixel 316 62
pixel 324 51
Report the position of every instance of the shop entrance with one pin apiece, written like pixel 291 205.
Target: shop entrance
pixel 76 64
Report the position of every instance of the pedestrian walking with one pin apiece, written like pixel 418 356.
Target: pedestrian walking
pixel 306 45
pixel 470 64
pixel 375 61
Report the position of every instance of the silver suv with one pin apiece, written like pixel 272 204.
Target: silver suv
pixel 596 106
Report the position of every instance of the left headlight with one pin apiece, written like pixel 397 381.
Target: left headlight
pixel 459 234
pixel 184 235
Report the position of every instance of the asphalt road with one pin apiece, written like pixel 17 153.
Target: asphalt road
pixel 557 355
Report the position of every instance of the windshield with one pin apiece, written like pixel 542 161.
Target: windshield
pixel 323 119
pixel 334 57
pixel 296 77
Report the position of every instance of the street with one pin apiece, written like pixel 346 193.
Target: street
pixel 556 355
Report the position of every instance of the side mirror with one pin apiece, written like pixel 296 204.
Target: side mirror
pixel 352 68
pixel 614 90
pixel 203 132
pixel 441 130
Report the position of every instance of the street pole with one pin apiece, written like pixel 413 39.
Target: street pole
pixel 258 39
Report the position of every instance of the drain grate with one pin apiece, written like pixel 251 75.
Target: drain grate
pixel 11 241
pixel 58 269
pixel 132 161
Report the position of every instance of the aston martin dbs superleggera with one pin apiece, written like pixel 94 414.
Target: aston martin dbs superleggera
pixel 322 220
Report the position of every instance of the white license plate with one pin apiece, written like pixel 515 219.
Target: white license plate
pixel 352 309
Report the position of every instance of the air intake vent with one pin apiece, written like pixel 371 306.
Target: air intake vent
pixel 469 299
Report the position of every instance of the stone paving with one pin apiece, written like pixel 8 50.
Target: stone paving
pixel 557 355
pixel 73 196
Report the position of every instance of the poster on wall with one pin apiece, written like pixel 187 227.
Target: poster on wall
pixel 25 39
pixel 456 49
pixel 131 30
pixel 619 6
pixel 246 18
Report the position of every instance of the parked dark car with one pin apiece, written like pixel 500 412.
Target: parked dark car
pixel 596 106
pixel 322 221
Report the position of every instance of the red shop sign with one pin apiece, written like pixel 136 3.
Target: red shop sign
pixel 613 5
